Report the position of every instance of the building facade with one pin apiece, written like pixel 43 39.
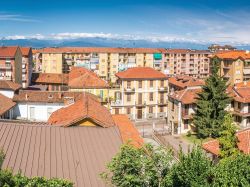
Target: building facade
pixel 11 64
pixel 142 94
pixel 27 63
pixel 195 63
pixel 106 62
pixel 234 66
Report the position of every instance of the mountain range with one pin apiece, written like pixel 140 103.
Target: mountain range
pixel 107 42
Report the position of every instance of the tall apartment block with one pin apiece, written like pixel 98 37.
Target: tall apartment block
pixel 11 64
pixel 27 60
pixel 234 66
pixel 106 62
pixel 194 63
pixel 142 94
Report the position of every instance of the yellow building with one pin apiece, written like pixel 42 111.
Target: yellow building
pixel 105 62
pixel 234 66
pixel 142 94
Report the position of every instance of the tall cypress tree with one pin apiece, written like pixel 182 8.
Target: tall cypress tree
pixel 211 104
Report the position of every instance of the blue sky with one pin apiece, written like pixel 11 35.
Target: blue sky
pixel 156 20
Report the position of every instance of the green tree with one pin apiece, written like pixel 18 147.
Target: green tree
pixel 233 171
pixel 228 139
pixel 193 169
pixel 211 104
pixel 145 166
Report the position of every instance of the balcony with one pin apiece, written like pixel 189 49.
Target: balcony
pixel 116 103
pixel 129 90
pixel 24 71
pixel 162 102
pixel 226 67
pixel 163 89
pixel 140 103
pixel 5 66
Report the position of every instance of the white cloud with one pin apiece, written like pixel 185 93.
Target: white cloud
pixel 15 17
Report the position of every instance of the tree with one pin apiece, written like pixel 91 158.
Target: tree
pixel 211 104
pixel 193 169
pixel 228 139
pixel 232 171
pixel 145 166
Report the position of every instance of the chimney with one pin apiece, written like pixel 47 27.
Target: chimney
pixel 247 51
pixel 26 96
pixel 245 83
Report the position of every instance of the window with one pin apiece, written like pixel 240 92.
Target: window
pixel 32 112
pixel 162 83
pixel 186 124
pixel 128 97
pixel 116 110
pixel 150 110
pixel 172 106
pixel 128 110
pixel 161 109
pixel 49 111
pixel 151 96
pixel 140 84
pixel 114 66
pixel 129 84
pixel 151 83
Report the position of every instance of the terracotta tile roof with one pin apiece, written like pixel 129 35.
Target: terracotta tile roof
pixel 240 92
pixel 187 96
pixel 46 96
pixel 9 51
pixel 184 81
pixel 128 131
pixel 82 78
pixel 25 50
pixel 5 104
pixel 99 50
pixel 146 73
pixel 233 55
pixel 78 154
pixel 243 144
pixel 9 85
pixel 50 78
pixel 84 108
pixel 185 51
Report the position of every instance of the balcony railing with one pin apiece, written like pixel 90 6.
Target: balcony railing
pixel 162 102
pixel 163 89
pixel 116 103
pixel 129 89
pixel 5 66
pixel 140 103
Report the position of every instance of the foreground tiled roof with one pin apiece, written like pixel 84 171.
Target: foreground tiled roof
pixel 183 81
pixel 78 154
pixel 84 108
pixel 5 104
pixel 9 51
pixel 243 144
pixel 141 73
pixel 25 51
pixel 187 96
pixel 82 78
pixel 45 96
pixel 9 85
pixel 233 55
pixel 50 78
pixel 99 50
pixel 128 131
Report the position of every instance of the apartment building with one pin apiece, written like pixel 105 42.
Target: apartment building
pixel 106 62
pixel 11 64
pixel 195 63
pixel 240 105
pixel 27 61
pixel 181 103
pixel 142 94
pixel 234 66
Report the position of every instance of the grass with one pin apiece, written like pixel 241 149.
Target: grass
pixel 194 139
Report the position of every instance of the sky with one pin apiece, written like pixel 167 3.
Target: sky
pixel 155 20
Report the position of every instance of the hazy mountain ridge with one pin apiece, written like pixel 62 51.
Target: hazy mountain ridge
pixel 106 42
